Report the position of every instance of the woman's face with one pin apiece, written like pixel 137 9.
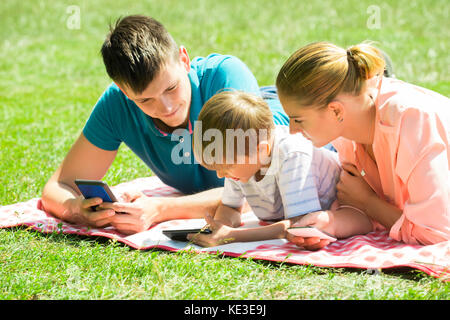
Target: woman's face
pixel 320 126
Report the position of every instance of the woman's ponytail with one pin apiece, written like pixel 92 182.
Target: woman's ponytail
pixel 315 74
pixel 364 62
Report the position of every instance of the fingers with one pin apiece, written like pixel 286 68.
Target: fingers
pixel 87 203
pixel 126 207
pixel 99 218
pixel 126 228
pixel 130 224
pixel 318 219
pixel 307 220
pixel 312 243
pixel 315 243
pixel 213 224
pixel 296 240
pixel 131 196
pixel 351 169
pixel 200 239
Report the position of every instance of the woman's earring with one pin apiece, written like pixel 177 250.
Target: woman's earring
pixel 340 119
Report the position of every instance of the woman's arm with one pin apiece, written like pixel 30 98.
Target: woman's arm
pixel 341 222
pixel 365 199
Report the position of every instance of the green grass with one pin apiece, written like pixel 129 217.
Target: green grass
pixel 51 76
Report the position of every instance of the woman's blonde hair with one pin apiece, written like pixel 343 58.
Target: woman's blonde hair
pixel 239 117
pixel 315 74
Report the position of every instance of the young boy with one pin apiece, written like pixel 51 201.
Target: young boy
pixel 282 176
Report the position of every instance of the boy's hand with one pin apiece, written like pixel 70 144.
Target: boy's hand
pixel 228 216
pixel 221 234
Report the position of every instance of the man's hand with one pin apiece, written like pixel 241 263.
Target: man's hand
pixel 136 213
pixel 82 212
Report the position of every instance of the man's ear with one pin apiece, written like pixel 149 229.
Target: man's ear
pixel 337 109
pixel 184 58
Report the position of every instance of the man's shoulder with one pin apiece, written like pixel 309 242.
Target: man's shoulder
pixel 216 63
pixel 113 99
pixel 213 60
pixel 112 95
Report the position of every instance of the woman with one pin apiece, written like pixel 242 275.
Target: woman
pixel 392 138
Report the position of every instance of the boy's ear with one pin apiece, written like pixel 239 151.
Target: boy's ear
pixel 264 148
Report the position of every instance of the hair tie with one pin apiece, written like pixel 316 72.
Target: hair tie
pixel 349 54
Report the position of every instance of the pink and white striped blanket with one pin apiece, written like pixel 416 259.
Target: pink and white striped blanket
pixel 375 250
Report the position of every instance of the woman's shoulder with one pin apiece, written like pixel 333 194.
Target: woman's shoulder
pixel 400 101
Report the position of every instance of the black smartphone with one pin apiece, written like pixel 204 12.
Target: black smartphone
pixel 94 189
pixel 181 234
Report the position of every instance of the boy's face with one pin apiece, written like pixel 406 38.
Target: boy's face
pixel 238 172
pixel 168 96
pixel 246 167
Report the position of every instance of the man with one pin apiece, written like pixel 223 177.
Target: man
pixel 156 92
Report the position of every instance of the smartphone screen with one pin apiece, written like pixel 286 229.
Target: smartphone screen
pixel 95 188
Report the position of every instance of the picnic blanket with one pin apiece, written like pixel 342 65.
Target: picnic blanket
pixel 373 251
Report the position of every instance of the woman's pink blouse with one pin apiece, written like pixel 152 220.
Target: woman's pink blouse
pixel 411 148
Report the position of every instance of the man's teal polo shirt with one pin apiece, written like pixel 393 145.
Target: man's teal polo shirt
pixel 116 119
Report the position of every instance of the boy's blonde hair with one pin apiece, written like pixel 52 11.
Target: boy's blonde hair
pixel 315 74
pixel 241 119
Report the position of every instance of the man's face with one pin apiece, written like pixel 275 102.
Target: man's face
pixel 168 96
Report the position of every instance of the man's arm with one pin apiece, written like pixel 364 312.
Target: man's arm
pixel 193 206
pixel 142 211
pixel 60 196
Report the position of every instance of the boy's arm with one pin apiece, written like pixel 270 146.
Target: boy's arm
pixel 229 216
pixel 276 230
pixel 222 234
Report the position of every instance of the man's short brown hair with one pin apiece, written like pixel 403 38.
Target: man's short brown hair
pixel 135 49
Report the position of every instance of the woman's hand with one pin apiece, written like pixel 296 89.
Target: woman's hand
pixel 322 220
pixel 352 189
pixel 221 234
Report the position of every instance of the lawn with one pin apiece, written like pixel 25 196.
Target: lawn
pixel 51 75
